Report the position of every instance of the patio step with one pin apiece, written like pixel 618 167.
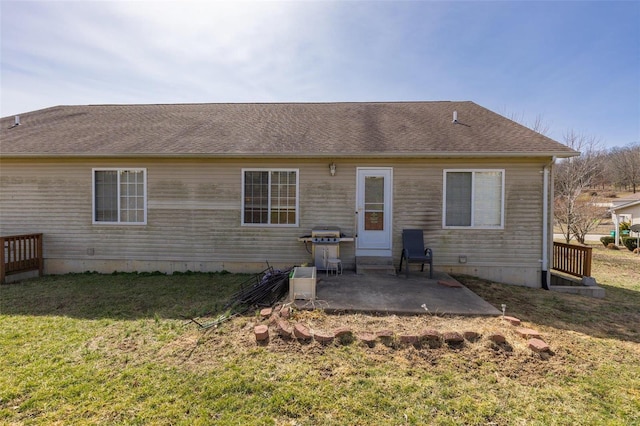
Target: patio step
pixel 368 265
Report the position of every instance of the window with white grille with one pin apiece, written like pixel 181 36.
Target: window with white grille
pixel 270 197
pixel 119 196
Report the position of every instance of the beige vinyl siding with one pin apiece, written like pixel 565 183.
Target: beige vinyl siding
pixel 193 212
pixel 45 198
pixel 418 203
pixel 194 218
pixel 509 255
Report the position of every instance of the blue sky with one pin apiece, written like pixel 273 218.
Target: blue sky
pixel 574 63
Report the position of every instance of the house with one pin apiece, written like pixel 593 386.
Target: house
pixel 208 187
pixel 625 212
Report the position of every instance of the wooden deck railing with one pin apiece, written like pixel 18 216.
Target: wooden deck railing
pixel 20 253
pixel 571 259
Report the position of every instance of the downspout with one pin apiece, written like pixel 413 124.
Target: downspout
pixel 545 223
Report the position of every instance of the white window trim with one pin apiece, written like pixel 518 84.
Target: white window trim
pixel 271 225
pixel 473 188
pixel 93 195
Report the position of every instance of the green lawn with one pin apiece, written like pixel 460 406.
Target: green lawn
pixel 116 349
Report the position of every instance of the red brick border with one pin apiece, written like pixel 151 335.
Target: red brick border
pixel 431 338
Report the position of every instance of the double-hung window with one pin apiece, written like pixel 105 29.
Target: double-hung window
pixel 473 199
pixel 119 196
pixel 270 197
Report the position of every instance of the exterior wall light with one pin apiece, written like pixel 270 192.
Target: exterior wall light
pixel 332 169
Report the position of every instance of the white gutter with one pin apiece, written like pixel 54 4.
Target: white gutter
pixel 202 155
pixel 545 223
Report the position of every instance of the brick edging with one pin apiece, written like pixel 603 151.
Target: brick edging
pixel 279 319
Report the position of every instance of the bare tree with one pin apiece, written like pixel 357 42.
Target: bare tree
pixel 603 177
pixel 577 218
pixel 587 215
pixel 562 213
pixel 539 124
pixel 625 165
pixel 573 212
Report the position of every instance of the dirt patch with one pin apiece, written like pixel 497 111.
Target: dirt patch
pixel 204 350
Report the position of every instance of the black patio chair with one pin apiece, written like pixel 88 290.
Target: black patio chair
pixel 413 250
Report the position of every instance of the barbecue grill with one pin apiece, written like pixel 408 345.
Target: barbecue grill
pixel 325 238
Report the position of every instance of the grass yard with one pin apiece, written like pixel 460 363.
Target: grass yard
pixel 116 349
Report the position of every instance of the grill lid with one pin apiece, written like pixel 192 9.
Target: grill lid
pixel 325 232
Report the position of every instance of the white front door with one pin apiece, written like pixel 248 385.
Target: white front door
pixel 373 208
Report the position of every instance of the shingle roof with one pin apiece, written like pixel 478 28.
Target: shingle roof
pixel 389 129
pixel 625 205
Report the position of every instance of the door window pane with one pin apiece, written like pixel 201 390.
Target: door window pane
pixel 374 203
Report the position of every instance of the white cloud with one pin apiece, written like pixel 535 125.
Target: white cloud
pixel 501 55
pixel 176 51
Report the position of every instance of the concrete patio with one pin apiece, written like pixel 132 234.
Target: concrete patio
pixel 389 294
